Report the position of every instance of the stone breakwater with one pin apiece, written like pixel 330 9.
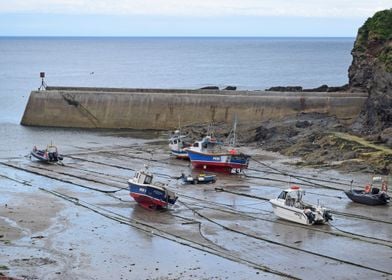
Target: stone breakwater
pixel 84 107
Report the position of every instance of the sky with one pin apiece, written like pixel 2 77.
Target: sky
pixel 276 18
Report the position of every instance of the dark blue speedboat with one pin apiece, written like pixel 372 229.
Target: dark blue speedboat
pixel 50 154
pixel 371 195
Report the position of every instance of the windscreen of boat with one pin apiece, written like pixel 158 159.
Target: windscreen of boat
pixel 282 195
pixel 148 179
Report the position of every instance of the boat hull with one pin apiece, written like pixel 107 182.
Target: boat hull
pixel 207 179
pixel 219 162
pixel 359 196
pixel 289 213
pixel 180 154
pixel 149 196
pixel 45 157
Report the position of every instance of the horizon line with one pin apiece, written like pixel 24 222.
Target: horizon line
pixel 166 36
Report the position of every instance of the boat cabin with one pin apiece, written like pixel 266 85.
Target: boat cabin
pixel 292 196
pixel 208 143
pixel 143 177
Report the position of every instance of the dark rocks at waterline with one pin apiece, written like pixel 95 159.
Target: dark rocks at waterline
pixel 325 88
pixel 217 88
pixel 210 88
pixel 285 88
pixel 230 88
pixel 322 88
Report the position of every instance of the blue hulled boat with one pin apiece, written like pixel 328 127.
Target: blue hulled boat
pixel 148 194
pixel 199 179
pixel 213 155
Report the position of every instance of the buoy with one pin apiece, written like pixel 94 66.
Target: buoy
pixel 384 187
pixel 294 187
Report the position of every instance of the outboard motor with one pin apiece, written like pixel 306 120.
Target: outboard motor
pixel 311 216
pixel 327 216
pixel 384 196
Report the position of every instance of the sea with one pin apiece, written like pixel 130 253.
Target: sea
pixel 157 62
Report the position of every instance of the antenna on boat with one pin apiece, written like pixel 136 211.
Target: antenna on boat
pixel 232 138
pixel 43 84
pixel 351 184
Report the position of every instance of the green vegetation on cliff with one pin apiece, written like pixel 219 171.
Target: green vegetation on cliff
pixel 378 27
pixel 377 31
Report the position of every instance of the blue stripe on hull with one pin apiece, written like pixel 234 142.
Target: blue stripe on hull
pixel 180 154
pixel 150 192
pixel 237 159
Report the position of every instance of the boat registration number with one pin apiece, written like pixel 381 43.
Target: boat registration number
pixel 216 158
pixel 235 170
pixel 142 190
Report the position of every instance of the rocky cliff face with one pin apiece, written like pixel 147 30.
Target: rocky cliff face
pixel 371 71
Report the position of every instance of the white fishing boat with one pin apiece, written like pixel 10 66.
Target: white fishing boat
pixel 290 206
pixel 178 144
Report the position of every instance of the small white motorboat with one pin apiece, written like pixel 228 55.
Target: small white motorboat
pixel 178 144
pixel 289 206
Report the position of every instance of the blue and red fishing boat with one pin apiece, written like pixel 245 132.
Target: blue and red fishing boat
pixel 209 154
pixel 148 194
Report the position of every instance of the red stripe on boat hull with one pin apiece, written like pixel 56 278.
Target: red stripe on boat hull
pixel 218 166
pixel 147 201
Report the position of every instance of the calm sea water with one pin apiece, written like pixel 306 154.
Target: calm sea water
pixel 248 63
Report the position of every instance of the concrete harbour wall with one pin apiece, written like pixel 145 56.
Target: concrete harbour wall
pixel 162 109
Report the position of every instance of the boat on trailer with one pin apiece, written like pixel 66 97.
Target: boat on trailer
pixel 290 206
pixel 49 154
pixel 178 144
pixel 200 178
pixel 371 194
pixel 209 154
pixel 149 194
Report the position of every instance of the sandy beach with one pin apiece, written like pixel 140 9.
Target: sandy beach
pixel 78 221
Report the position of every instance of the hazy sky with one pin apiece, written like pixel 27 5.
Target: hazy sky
pixel 186 17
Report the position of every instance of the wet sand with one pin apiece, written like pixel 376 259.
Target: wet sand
pixel 78 221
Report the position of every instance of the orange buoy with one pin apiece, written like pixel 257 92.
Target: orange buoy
pixel 384 186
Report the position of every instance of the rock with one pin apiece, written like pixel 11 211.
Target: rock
pixel 287 88
pixel 386 136
pixel 230 88
pixel 210 88
pixel 322 88
pixel 371 71
pixel 303 124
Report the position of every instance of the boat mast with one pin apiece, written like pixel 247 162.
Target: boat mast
pixel 232 138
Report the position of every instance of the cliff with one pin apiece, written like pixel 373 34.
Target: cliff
pixel 371 72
